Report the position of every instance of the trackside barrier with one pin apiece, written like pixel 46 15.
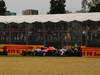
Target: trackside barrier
pixel 90 52
pixel 17 50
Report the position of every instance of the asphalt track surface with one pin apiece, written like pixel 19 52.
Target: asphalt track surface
pixel 49 66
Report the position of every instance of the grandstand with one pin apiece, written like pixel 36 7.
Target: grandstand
pixel 58 30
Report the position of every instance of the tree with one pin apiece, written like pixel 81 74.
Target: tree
pixel 53 6
pixel 2 7
pixel 57 7
pixel 95 8
pixel 84 4
pixel 88 4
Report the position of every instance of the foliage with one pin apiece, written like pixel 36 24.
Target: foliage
pixel 57 7
pixel 95 8
pixel 89 4
pixel 2 7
